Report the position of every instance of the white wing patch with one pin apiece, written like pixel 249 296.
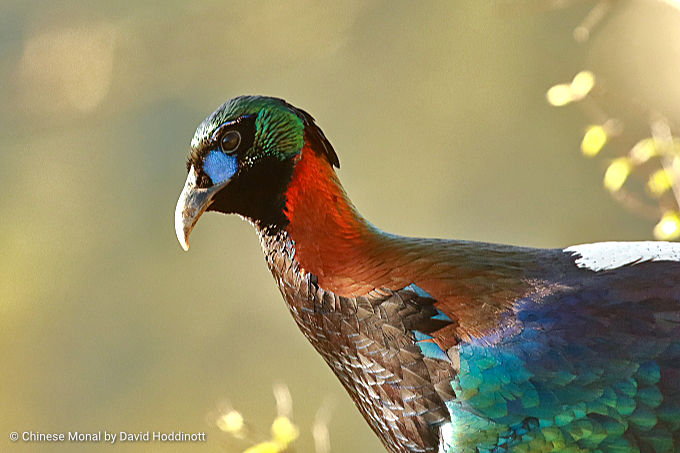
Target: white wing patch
pixel 602 256
pixel 445 438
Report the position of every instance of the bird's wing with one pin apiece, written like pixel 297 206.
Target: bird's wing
pixel 587 360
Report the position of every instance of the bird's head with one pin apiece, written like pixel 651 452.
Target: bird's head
pixel 242 160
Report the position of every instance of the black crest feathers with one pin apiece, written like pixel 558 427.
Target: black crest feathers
pixel 315 136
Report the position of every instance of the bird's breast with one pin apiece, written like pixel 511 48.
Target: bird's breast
pixel 370 344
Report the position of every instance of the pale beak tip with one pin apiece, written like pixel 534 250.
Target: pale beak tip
pixel 181 231
pixel 182 236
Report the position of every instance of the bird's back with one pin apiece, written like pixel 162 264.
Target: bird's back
pixel 592 364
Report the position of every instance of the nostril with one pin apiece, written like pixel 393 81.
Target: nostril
pixel 203 180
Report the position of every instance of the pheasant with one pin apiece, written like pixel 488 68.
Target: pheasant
pixel 446 345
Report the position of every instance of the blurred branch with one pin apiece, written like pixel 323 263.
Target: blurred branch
pixel 670 159
pixel 593 18
pixel 656 158
pixel 283 431
pixel 320 431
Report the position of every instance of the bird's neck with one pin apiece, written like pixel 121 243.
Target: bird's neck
pixel 327 240
pixel 331 239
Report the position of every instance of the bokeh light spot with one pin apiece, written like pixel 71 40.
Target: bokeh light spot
pixel 559 95
pixel 68 68
pixel 593 140
pixel 616 174
pixel 583 82
pixel 231 422
pixel 643 150
pixel 668 227
pixel 264 447
pixel 284 431
pixel 659 182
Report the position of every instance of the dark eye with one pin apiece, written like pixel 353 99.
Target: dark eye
pixel 230 141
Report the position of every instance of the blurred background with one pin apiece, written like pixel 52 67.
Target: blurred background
pixel 440 118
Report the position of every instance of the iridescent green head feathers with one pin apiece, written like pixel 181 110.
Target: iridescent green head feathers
pixel 242 157
pixel 278 130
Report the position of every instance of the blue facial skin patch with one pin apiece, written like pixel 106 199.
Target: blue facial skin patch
pixel 219 167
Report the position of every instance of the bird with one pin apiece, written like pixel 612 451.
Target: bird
pixel 448 345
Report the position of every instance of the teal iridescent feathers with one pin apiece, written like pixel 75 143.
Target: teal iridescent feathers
pixel 570 381
pixel 279 130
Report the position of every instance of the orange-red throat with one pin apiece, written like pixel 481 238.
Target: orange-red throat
pixel 332 240
pixel 347 254
pixel 350 257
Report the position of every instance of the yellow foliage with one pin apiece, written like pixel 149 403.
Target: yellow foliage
pixel 643 151
pixel 284 431
pixel 583 82
pixel 593 140
pixel 659 182
pixel 563 93
pixel 617 173
pixel 668 227
pixel 231 422
pixel 559 95
pixel 264 447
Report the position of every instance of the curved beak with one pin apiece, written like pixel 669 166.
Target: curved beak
pixel 193 201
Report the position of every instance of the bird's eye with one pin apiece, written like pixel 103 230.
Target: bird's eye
pixel 230 141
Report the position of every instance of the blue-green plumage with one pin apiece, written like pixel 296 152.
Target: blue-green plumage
pixel 583 369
